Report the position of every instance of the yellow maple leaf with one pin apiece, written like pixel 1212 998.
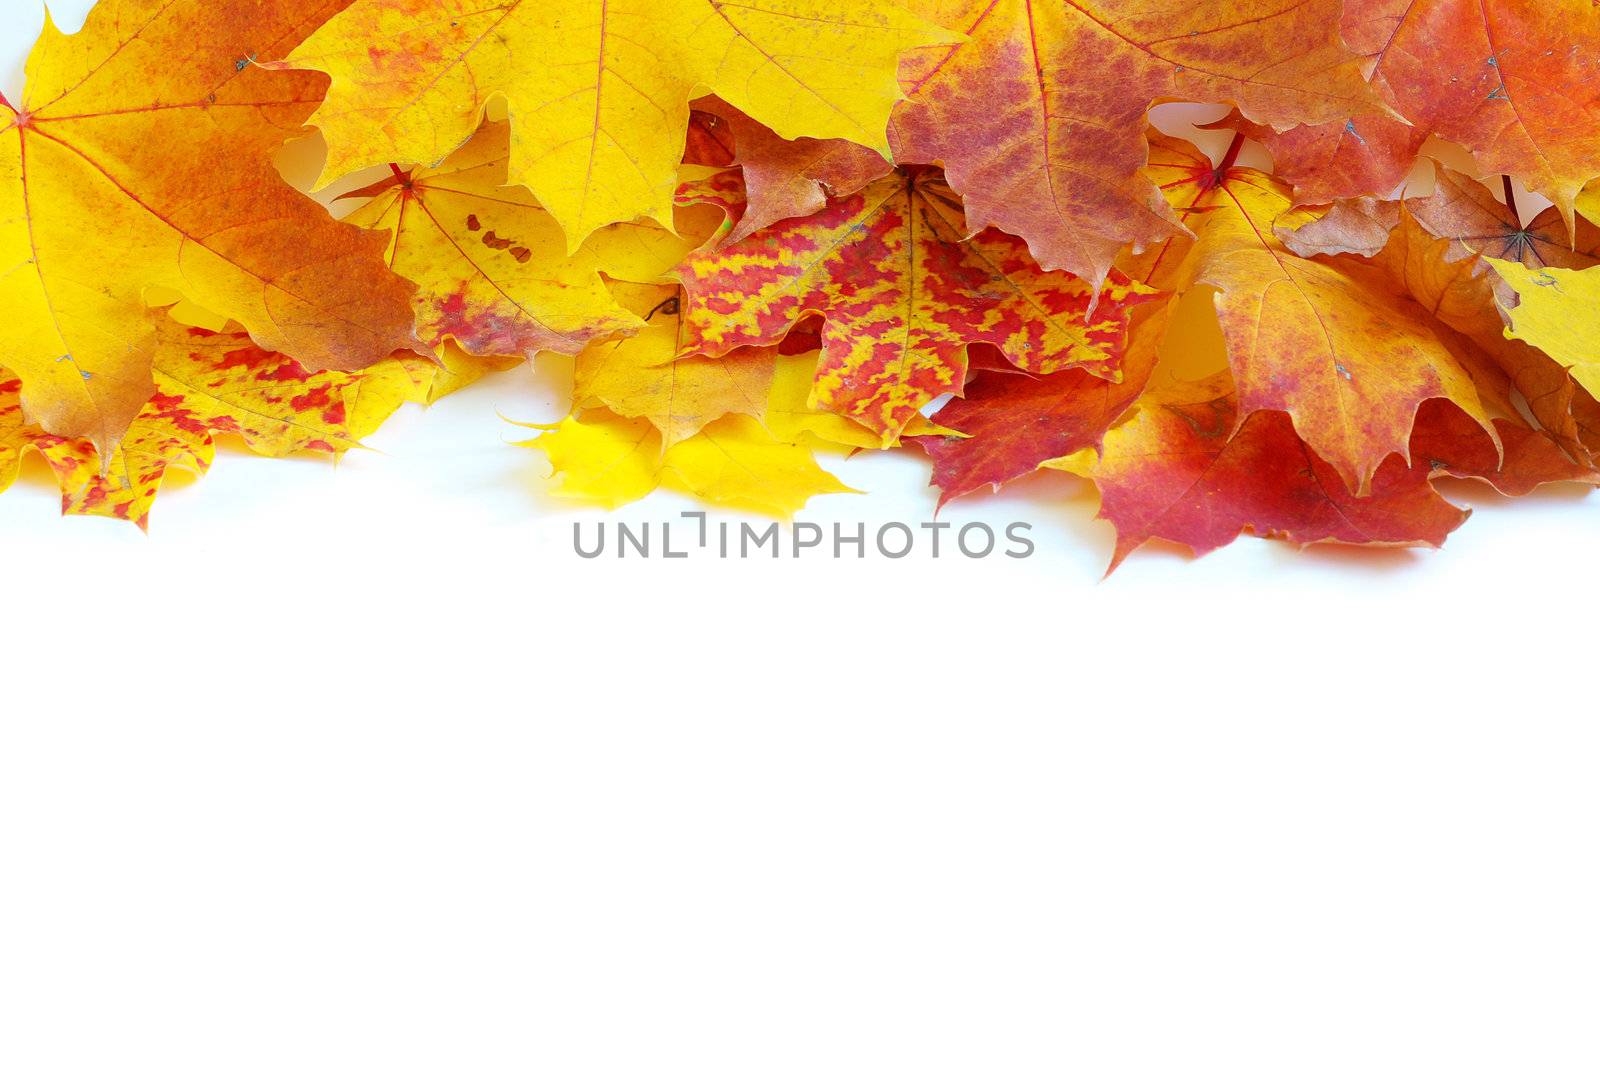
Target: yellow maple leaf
pixel 642 376
pixel 141 157
pixel 490 265
pixel 1558 311
pixel 643 251
pixel 609 460
pixel 598 90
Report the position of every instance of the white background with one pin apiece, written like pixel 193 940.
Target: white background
pixel 362 767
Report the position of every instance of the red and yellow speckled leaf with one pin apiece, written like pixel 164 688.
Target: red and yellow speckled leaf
pixel 792 418
pixel 786 179
pixel 642 376
pixel 140 158
pixel 1037 116
pixel 1517 82
pixel 902 296
pixel 372 396
pixel 491 266
pixel 1013 422
pixel 1177 470
pixel 1332 344
pixel 210 383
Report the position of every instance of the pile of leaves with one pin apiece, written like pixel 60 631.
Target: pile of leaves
pixel 764 229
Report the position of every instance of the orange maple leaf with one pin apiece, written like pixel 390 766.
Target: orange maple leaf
pixel 1037 116
pixel 1332 344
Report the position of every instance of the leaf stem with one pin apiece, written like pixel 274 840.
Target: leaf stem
pixel 1511 200
pixel 1230 157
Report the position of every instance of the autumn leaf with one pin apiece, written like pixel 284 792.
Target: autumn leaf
pixel 1514 81
pixel 598 90
pixel 373 394
pixel 140 158
pixel 1178 471
pixel 609 460
pixel 902 295
pixel 1517 82
pixel 15 434
pixel 1331 344
pixel 207 384
pixel 490 264
pixel 1461 212
pixel 1434 247
pixel 709 142
pixel 1556 310
pixel 792 418
pixel 1037 118
pixel 1451 443
pixel 642 376
pixel 787 179
pixel 1324 162
pixel 1012 423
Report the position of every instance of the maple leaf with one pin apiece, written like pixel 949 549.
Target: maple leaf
pixel 792 418
pixel 373 394
pixel 1178 470
pixel 598 90
pixel 1460 211
pixel 1036 117
pixel 1515 461
pixel 1434 248
pixel 1331 344
pixel 610 460
pixel 207 383
pixel 1345 158
pixel 902 295
pixel 642 376
pixel 1556 310
pixel 490 264
pixel 1012 423
pixel 709 142
pixel 140 158
pixel 1517 82
pixel 785 179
